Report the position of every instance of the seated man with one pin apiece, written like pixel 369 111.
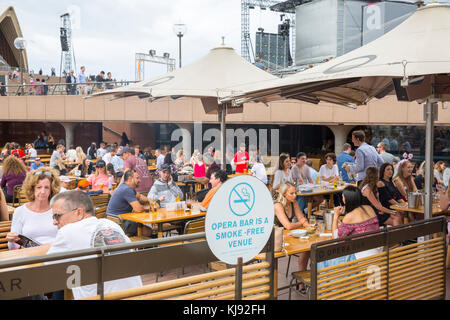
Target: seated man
pixel 217 179
pixel 165 190
pixel 125 199
pixel 36 164
pixel 79 229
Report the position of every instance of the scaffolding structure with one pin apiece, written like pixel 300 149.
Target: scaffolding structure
pixel 286 7
pixel 141 58
pixel 67 53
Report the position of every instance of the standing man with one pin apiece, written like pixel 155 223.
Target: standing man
pixel 71 81
pixel 125 199
pixel 117 162
pixel 109 156
pixel 108 81
pixel 140 166
pixel 386 156
pixel 366 156
pixel 99 79
pixel 159 159
pixel 342 158
pixel 165 190
pixel 78 229
pixel 82 81
pixel 241 159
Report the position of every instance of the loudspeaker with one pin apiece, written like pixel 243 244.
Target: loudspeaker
pixel 63 37
pixel 418 88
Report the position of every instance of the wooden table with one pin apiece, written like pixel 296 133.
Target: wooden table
pixel 162 216
pixel 317 191
pixel 404 208
pixel 292 245
pixel 24 253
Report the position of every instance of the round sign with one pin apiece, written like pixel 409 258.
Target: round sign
pixel 239 220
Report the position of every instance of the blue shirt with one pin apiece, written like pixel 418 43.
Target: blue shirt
pixel 366 156
pixel 344 157
pixel 34 166
pixel 117 162
pixel 121 199
pixel 314 174
pixel 81 78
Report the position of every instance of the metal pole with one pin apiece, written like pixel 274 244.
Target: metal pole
pixel 238 281
pixel 429 171
pixel 222 117
pixel 21 72
pixel 179 47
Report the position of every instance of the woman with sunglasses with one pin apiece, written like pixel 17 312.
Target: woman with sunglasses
pixel 100 180
pixel 34 219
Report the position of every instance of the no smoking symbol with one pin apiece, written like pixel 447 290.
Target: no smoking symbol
pixel 241 199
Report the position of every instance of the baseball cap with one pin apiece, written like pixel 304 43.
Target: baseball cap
pixel 64 179
pixel 124 149
pixel 165 166
pixel 83 183
pixel 100 163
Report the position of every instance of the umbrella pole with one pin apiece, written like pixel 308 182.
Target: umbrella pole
pixel 222 116
pixel 429 171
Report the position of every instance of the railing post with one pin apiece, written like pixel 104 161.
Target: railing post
pixel 100 284
pixel 238 280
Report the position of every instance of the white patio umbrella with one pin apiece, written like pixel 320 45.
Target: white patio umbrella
pixel 210 78
pixel 414 58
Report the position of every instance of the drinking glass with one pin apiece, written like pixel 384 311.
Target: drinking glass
pixel 312 220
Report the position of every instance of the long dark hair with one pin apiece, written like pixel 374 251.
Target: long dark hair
pixel 281 161
pixel 371 179
pixel 383 168
pixel 353 198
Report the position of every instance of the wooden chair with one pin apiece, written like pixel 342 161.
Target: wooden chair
pixel 218 285
pixel 119 221
pixel 5 227
pixel 15 202
pixel 100 203
pixel 22 198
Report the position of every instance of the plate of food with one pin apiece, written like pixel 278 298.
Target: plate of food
pixel 297 233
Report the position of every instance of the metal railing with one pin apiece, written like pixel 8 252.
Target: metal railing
pixel 58 89
pixel 98 265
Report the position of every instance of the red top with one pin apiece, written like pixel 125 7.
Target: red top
pixel 19 152
pixel 199 170
pixel 238 157
pixel 345 230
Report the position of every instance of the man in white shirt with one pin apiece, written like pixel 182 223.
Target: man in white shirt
pixel 78 229
pixel 72 154
pixel 108 156
pixel 32 153
pixel 159 159
pixel 102 150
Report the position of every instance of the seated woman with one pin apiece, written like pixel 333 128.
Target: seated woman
pixel 404 182
pixel 329 172
pixel 419 179
pixel 35 218
pixel 358 218
pixel 389 194
pixel 286 209
pixel 14 173
pixel 100 180
pixel 86 168
pixel 283 172
pixel 439 169
pixel 369 190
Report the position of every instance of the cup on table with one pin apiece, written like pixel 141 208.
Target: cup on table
pixel 312 220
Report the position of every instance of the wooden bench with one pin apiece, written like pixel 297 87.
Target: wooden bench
pixel 5 227
pixel 217 285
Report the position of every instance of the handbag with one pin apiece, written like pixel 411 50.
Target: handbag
pixel 279 238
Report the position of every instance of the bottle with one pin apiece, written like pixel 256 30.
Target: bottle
pixel 317 180
pixel 178 198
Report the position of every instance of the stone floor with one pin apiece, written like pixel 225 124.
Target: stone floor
pixel 283 282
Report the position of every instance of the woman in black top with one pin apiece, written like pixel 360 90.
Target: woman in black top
pixel 388 192
pixel 419 180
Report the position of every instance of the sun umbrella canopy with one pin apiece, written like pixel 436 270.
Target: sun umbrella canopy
pixel 419 46
pixel 216 75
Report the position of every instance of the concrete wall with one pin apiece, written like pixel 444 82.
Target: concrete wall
pixel 187 110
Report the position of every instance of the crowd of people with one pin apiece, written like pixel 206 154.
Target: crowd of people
pixel 66 219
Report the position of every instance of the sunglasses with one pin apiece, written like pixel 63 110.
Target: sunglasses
pixel 59 214
pixel 47 173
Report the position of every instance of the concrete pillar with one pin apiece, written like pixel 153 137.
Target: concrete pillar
pixel 340 136
pixel 70 133
pixel 186 132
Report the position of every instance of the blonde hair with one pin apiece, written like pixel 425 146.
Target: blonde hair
pixel 13 165
pixel 33 179
pixel 409 181
pixel 437 166
pixel 80 153
pixel 281 199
